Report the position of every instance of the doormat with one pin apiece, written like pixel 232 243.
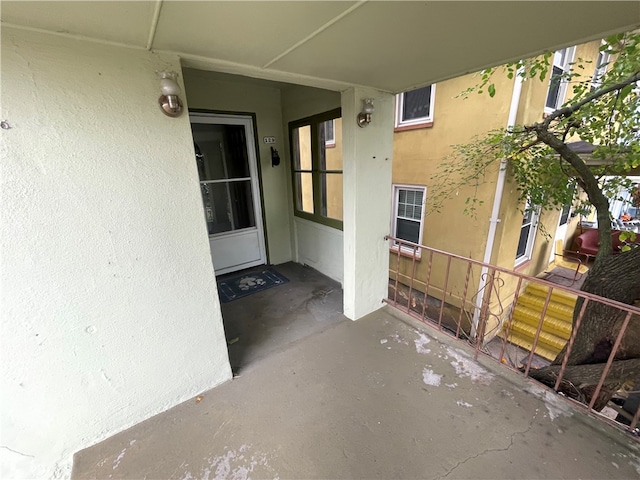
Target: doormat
pixel 244 285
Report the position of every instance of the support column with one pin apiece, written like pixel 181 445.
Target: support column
pixel 367 163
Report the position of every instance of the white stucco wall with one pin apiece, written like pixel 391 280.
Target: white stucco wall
pixel 316 245
pixel 109 306
pixel 229 93
pixel 320 247
pixel 367 157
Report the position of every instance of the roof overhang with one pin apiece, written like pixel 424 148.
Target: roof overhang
pixel 389 45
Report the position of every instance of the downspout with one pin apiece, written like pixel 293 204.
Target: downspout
pixel 497 200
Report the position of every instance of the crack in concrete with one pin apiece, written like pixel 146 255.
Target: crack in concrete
pixel 15 451
pixel 488 450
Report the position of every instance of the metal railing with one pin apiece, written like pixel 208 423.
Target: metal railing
pixel 479 306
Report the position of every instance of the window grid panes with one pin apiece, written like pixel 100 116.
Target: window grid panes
pixel 527 234
pixel 317 168
pixel 408 213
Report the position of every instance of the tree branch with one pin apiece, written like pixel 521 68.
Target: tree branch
pixel 570 109
pixel 590 184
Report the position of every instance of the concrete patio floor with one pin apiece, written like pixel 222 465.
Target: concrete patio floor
pixel 383 397
pixel 267 321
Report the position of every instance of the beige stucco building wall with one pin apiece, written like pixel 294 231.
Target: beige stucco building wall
pixel 417 154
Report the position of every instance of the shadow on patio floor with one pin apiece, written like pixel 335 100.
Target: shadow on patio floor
pixel 267 321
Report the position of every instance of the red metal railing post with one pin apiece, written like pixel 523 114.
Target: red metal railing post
pixel 426 285
pixel 484 311
pixel 572 338
pixel 413 275
pixel 444 293
pixel 539 329
pixel 464 298
pixel 612 355
pixel 510 319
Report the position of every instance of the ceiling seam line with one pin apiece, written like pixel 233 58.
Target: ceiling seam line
pixel 234 68
pixel 154 24
pixel 73 36
pixel 315 33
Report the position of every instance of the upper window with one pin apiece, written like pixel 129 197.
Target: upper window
pixel 527 234
pixel 601 69
pixel 408 213
pixel 415 107
pixel 330 133
pixel 316 156
pixel 559 79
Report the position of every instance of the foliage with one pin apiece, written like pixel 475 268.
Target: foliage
pixel 604 112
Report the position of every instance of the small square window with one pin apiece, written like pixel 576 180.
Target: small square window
pixel 559 79
pixel 415 107
pixel 407 221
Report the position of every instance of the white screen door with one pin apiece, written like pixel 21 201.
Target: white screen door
pixel 227 167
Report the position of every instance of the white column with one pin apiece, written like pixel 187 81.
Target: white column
pixel 367 162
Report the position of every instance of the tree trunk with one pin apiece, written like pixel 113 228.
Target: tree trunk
pixel 616 277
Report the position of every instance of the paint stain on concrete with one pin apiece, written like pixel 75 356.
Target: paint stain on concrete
pixel 556 406
pixel 462 403
pixel 430 378
pixel 465 366
pixel 398 339
pixel 420 343
pixel 235 465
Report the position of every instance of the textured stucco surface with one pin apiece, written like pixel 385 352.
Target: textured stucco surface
pixel 367 156
pixel 109 304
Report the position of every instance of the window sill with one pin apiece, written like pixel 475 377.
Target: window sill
pixel 417 126
pixel 522 265
pixel 407 254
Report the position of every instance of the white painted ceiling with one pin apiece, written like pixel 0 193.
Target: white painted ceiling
pixel 390 45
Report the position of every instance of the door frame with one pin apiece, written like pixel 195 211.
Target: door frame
pixel 248 121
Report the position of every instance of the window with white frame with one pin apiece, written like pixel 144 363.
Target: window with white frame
pixel 408 213
pixel 527 234
pixel 601 69
pixel 559 79
pixel 330 133
pixel 415 107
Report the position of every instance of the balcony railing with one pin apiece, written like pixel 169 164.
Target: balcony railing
pixel 475 302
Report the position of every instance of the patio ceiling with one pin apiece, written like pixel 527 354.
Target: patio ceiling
pixel 392 46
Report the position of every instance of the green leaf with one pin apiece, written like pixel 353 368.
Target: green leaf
pixel 492 90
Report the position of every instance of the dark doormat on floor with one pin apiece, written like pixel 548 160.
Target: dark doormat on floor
pixel 237 287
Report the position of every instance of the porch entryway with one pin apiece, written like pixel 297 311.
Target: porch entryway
pixel 271 320
pixel 228 171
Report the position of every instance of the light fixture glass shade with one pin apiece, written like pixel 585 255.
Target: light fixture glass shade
pixel 367 106
pixel 168 86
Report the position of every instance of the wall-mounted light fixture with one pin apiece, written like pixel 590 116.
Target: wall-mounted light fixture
pixel 364 117
pixel 169 101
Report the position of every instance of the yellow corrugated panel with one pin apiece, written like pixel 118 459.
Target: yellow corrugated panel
pixel 555 309
pixel 557 295
pixel 525 343
pixel 556 326
pixel 549 341
pixel 552 325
